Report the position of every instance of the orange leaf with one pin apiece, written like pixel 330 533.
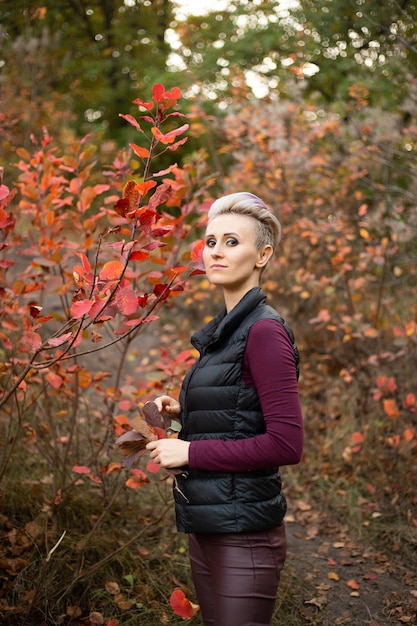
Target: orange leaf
pixel 409 434
pixel 131 194
pixel 353 584
pixel 111 270
pixel 145 186
pixel 391 408
pixel 143 153
pixel 410 328
pixel 371 332
pixel 137 479
pixel 410 401
pixel 181 605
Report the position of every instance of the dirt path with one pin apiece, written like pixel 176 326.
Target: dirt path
pixel 344 582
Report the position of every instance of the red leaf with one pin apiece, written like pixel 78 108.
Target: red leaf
pixel 357 437
pixel 181 605
pixel 177 144
pixel 54 380
pixel 145 105
pixel 85 262
pixel 175 93
pixel 58 341
pixel 142 300
pixel 410 401
pixel 33 339
pixel 153 244
pixel 158 91
pixel 122 206
pixel 161 291
pixel 170 169
pixel 81 469
pixel 81 307
pixel 126 301
pixel 132 121
pixel 101 188
pixel 34 310
pixel 170 136
pixel 160 232
pixel 162 193
pixel 197 251
pixel 4 192
pixel 139 255
pixel 152 467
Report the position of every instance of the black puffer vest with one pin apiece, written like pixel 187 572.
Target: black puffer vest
pixel 217 404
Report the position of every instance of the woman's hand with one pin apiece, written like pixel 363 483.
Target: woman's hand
pixel 169 453
pixel 168 405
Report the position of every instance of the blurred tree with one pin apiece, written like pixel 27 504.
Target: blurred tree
pixel 325 46
pixel 89 58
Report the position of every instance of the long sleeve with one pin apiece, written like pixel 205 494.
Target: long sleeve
pixel 268 366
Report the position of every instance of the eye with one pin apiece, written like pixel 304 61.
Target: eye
pixel 210 243
pixel 232 241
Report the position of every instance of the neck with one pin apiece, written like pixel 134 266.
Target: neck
pixel 232 298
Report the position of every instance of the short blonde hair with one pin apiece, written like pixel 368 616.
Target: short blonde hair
pixel 245 203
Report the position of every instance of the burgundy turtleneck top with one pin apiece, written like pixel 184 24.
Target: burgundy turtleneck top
pixel 268 366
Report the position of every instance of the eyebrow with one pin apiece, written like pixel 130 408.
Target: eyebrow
pixel 224 235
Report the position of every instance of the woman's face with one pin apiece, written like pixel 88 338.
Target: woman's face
pixel 230 255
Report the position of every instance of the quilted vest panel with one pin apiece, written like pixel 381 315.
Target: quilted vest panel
pixel 217 404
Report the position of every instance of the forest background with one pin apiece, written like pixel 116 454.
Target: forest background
pixel 120 123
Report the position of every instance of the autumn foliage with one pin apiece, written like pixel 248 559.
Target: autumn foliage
pixel 88 256
pixel 100 288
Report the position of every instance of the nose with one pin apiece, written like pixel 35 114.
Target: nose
pixel 216 251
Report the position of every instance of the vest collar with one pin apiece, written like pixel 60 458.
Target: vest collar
pixel 224 324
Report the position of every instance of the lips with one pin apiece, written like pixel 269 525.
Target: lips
pixel 216 266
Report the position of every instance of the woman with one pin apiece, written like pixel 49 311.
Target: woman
pixel 241 420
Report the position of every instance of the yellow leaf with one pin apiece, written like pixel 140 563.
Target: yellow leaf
pixel 364 233
pixel 333 576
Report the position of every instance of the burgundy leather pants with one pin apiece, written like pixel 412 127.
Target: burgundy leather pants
pixel 236 576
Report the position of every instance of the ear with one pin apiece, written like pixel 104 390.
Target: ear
pixel 264 254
